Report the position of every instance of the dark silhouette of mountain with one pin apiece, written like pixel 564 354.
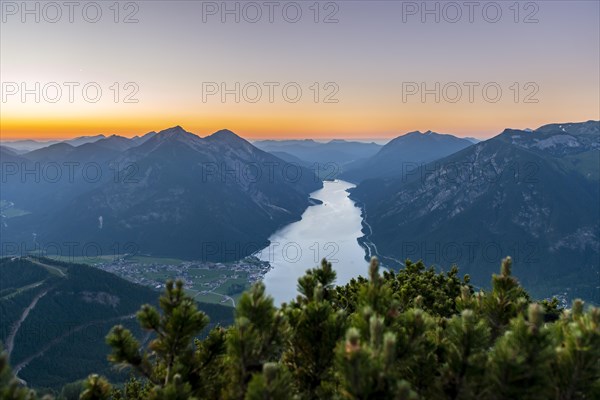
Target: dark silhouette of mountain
pixel 290 158
pixel 78 141
pixel 8 153
pixel 55 317
pixel 31 145
pixel 176 194
pixel 115 142
pixel 58 151
pixel 340 152
pixel 533 195
pixel 9 150
pixel 404 154
pixel 141 139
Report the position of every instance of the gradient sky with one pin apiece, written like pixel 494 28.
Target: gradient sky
pixel 368 54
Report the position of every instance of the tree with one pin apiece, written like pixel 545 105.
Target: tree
pixel 170 362
pixel 406 335
pixel 315 329
pixel 256 338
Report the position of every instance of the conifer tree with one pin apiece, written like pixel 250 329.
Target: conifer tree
pixel 257 337
pixel 171 353
pixel 96 388
pixel 465 344
pixel 519 363
pixel 274 383
pixel 576 369
pixel 506 300
pixel 315 329
pixel 366 368
pixel 406 335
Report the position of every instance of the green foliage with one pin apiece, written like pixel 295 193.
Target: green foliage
pixel 464 354
pixel 62 340
pixel 170 355
pixel 255 339
pixel 577 344
pixel 415 334
pixel 315 329
pixel 273 384
pixel 96 388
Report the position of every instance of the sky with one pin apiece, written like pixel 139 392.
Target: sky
pixel 305 69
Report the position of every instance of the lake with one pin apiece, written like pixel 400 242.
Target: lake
pixel 329 230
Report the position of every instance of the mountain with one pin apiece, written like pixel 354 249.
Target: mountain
pixel 59 151
pixel 31 145
pixel 290 158
pixel 115 142
pixel 78 141
pixel 214 198
pixel 404 154
pixel 8 153
pixel 531 195
pixel 141 139
pixel 9 150
pixel 55 317
pixel 28 145
pixel 340 152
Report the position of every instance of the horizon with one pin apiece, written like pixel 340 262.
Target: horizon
pixel 363 70
pixel 380 141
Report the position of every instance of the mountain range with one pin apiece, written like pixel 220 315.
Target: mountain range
pixel 403 155
pixel 170 193
pixel 534 195
pixel 327 158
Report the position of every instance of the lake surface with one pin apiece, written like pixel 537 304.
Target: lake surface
pixel 329 230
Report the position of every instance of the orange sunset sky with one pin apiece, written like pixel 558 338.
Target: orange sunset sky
pixel 547 71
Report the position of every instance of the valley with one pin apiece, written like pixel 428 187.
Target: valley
pixel 207 282
pixel 208 212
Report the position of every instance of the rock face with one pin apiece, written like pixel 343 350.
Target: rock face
pixel 176 194
pixel 531 195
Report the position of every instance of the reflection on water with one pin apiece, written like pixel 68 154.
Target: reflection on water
pixel 329 230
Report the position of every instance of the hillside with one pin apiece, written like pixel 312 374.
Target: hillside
pixel 534 195
pixel 415 334
pixel 56 315
pixel 216 198
pixel 404 154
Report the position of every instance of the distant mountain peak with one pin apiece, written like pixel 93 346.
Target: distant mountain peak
pixel 226 136
pixel 176 130
pixel 224 133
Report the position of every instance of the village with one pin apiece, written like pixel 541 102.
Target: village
pixel 211 282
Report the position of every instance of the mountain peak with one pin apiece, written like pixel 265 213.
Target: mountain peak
pixel 225 136
pixel 224 133
pixel 176 130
